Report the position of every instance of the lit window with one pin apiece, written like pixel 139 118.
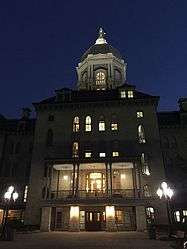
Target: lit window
pixel 141 134
pixel 146 191
pixel 119 216
pixel 25 194
pixel 177 216
pixel 184 218
pixel 115 153
pixel 88 154
pixel 114 126
pixel 75 149
pixel 145 166
pixel 139 114
pixel 101 125
pixel 100 78
pixel 130 94
pixel 150 214
pixel 123 94
pixel 102 154
pixel 88 123
pixel 76 124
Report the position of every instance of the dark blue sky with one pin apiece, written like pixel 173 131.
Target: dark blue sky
pixel 41 42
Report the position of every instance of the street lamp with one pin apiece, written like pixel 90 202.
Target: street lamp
pixel 10 196
pixel 165 191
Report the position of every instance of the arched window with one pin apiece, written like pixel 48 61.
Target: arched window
pixel 150 215
pixel 88 123
pixel 145 165
pixel 76 124
pixel 84 77
pixel 114 123
pixel 49 138
pixel 141 134
pixel 100 78
pixel 18 148
pixel 101 124
pixel 117 75
pixel 165 142
pixel 75 149
pixel 146 191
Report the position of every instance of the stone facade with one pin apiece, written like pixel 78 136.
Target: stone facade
pixel 98 153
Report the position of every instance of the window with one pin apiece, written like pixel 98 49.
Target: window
pixel 114 126
pixel 123 94
pixel 88 154
pixel 150 214
pixel 119 216
pixel 115 153
pixel 76 124
pixel 130 94
pixel 141 134
pixel 100 78
pixel 11 148
pixel 25 194
pixel 102 154
pixel 101 124
pixel 88 123
pixel 177 216
pixel 18 148
pixel 146 191
pixel 145 166
pixel 165 142
pixel 139 114
pixel 75 149
pixel 51 118
pixel 49 138
pixel 184 218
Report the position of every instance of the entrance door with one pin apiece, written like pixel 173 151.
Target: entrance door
pixel 93 221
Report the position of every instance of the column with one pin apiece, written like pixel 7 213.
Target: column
pixel 77 182
pixel 106 165
pixel 141 223
pixel 74 219
pixel 45 219
pixel 110 219
pixel 73 184
pixel 110 170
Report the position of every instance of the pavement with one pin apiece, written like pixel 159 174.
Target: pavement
pixel 84 240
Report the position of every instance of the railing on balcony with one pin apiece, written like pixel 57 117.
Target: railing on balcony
pixel 85 194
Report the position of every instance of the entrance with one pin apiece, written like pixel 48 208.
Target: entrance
pixel 93 220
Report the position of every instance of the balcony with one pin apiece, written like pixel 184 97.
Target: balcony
pixel 87 195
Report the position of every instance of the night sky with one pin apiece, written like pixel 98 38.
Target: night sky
pixel 41 42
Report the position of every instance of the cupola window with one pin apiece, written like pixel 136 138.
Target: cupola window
pixel 100 78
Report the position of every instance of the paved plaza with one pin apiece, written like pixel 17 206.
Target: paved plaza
pixel 83 240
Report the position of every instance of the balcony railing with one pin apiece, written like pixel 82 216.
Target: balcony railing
pixel 84 194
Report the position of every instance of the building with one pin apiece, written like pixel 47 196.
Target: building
pixel 98 152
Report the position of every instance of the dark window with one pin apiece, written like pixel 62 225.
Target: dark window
pixel 49 138
pixel 11 148
pixel 51 118
pixel 30 147
pixel 18 148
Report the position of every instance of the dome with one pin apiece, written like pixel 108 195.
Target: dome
pixel 101 49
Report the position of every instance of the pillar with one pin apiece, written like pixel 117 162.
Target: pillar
pixel 141 223
pixel 45 219
pixel 74 219
pixel 110 219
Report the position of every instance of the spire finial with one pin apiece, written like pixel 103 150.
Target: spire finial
pixel 101 38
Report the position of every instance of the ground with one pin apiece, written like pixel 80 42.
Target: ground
pixel 83 240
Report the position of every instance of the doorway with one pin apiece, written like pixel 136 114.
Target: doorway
pixel 93 220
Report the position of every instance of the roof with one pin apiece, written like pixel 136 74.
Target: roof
pixel 96 96
pixel 14 125
pixel 101 49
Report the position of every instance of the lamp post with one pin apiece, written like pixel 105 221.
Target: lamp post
pixel 10 196
pixel 165 191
